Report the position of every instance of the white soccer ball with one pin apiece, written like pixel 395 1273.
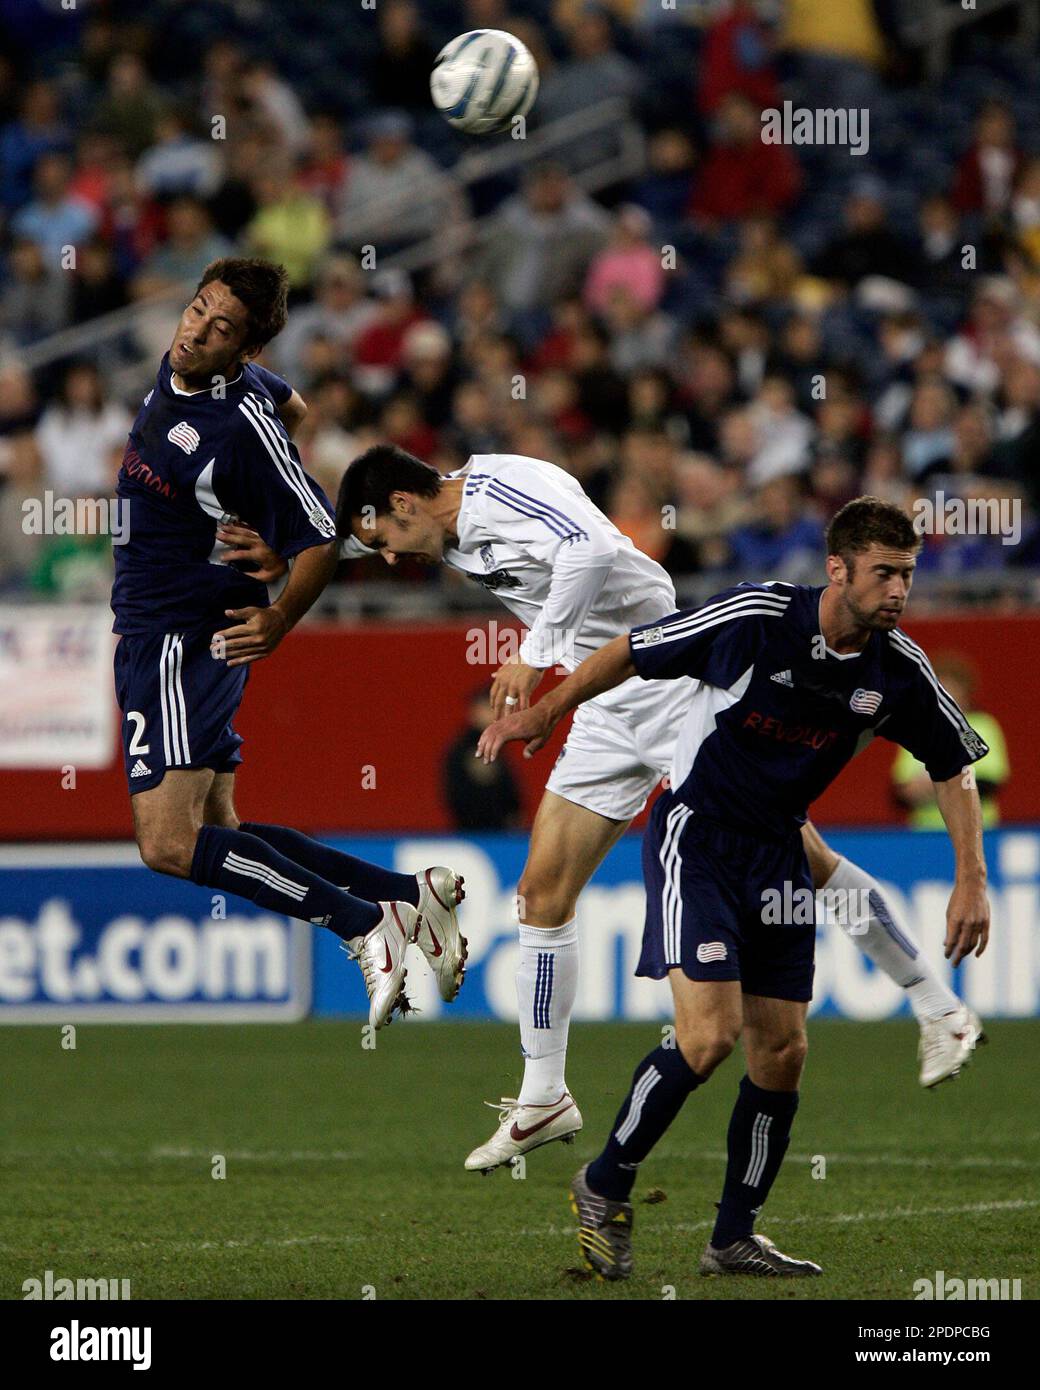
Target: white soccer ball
pixel 482 80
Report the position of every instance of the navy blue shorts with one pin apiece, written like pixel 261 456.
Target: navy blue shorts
pixel 724 905
pixel 178 704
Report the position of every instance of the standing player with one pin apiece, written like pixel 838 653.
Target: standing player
pixel 526 530
pixel 752 754
pixel 210 445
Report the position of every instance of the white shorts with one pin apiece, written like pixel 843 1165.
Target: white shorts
pixel 620 746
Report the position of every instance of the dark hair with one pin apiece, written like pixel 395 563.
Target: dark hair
pixel 262 287
pixel 374 475
pixel 867 521
pixel 83 364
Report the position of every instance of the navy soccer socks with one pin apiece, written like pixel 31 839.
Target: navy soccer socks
pixel 234 861
pixel 660 1085
pixel 357 876
pixel 759 1133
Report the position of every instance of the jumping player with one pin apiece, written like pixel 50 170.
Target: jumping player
pixel 526 530
pixel 752 754
pixel 211 446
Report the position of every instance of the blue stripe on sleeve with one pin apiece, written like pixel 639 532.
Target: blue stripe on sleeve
pixel 494 490
pixel 538 502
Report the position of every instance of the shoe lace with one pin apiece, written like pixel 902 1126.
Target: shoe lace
pixel 506 1107
pixel 402 1004
pixel 364 961
pixel 933 1038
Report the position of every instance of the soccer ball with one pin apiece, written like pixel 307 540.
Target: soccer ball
pixel 482 79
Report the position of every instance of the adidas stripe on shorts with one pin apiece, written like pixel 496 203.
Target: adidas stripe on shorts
pixel 178 705
pixel 706 889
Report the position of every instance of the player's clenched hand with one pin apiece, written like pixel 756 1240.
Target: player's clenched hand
pixel 532 725
pixel 246 544
pixel 513 683
pixel 256 635
pixel 967 921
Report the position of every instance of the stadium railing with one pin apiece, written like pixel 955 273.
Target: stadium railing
pixel 510 156
pixel 1011 589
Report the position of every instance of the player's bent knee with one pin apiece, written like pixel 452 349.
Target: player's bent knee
pixel 540 906
pixel 778 1065
pixel 791 1060
pixel 705 1047
pixel 166 857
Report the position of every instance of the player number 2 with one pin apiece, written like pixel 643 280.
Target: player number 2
pixel 136 718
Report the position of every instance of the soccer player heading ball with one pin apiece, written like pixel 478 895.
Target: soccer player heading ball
pixel 210 448
pixel 526 530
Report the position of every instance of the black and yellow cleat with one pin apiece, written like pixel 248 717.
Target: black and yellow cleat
pixel 604 1230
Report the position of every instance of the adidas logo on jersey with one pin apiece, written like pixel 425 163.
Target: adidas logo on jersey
pixel 782 678
pixel 139 770
pixel 184 437
pixel 975 746
pixel 321 521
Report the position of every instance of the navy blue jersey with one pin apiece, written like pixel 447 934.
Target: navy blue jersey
pixel 777 714
pixel 192 460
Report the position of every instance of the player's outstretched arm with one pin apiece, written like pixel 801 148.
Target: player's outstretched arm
pixel 601 671
pixel 259 630
pixel 967 915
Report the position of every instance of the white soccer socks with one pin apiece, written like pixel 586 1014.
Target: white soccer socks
pixel 546 988
pixel 870 922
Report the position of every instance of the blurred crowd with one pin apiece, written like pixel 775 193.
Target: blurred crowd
pixel 723 348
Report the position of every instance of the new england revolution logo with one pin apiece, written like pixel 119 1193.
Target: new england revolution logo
pixel 865 701
pixel 184 437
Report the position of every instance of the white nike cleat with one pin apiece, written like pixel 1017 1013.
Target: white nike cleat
pixel 439 938
pixel 947 1043
pixel 522 1128
pixel 381 956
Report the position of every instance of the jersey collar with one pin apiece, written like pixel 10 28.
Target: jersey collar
pixel 203 390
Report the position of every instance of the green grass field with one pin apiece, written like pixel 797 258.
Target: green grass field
pixel 344 1166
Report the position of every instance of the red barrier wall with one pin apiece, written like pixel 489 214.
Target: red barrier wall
pixel 334 701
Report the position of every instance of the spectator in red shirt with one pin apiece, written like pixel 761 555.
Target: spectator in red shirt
pixel 738 57
pixel 987 171
pixel 741 176
pixel 378 349
pixel 323 172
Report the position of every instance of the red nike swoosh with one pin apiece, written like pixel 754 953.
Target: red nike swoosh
pixel 437 948
pixel 389 963
pixel 519 1134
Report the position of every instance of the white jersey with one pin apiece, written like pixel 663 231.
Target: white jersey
pixel 528 531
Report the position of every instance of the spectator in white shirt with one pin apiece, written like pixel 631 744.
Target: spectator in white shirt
pixel 178 162
pixel 395 191
pixel 81 437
